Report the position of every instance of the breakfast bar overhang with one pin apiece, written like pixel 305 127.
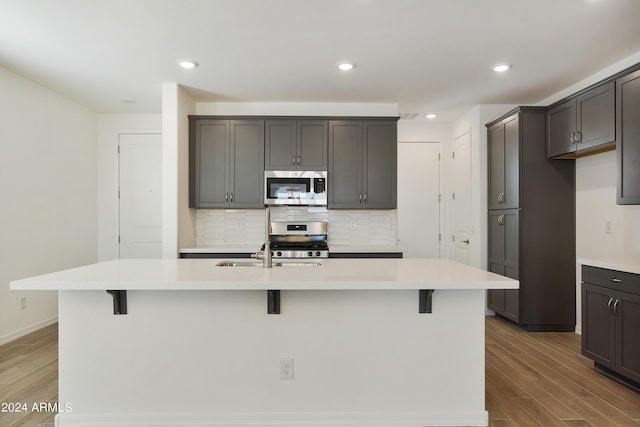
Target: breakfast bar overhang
pixel 197 346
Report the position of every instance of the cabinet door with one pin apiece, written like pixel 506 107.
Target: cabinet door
pixel 627 312
pixel 561 127
pixel 598 324
pixel 496 165
pixel 510 198
pixel 280 145
pixel 312 145
pixel 596 117
pixel 247 164
pixel 628 144
pixel 380 152
pixel 345 164
pixel 211 162
pixel 504 259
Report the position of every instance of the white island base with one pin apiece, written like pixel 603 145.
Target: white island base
pixel 211 357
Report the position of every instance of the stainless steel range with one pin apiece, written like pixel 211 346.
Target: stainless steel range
pixel 301 239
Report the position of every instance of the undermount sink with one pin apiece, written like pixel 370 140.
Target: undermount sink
pixel 274 264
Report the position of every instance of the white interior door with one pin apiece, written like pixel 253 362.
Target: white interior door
pixel 461 198
pixel 419 199
pixel 140 185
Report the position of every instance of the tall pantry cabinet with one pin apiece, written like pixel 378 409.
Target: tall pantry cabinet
pixel 531 223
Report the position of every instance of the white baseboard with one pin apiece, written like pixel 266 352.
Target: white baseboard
pixel 402 419
pixel 26 331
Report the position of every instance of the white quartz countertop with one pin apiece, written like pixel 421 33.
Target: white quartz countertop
pixel 333 274
pixel 620 264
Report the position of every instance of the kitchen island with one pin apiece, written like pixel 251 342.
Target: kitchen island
pixel 360 342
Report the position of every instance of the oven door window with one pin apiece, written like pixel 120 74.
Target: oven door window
pixel 288 188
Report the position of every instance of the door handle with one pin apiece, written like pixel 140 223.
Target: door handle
pixel 226 197
pixel 293 161
pixel 365 197
pixel 615 306
pixel 466 241
pixel 501 219
pixel 578 137
pixel 609 305
pixel 298 160
pixel 231 199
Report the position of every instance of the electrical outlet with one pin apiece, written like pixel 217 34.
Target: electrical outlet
pixel 23 303
pixel 286 369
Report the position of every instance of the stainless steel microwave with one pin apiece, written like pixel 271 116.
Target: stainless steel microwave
pixel 285 188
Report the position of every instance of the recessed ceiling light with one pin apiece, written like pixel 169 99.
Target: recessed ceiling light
pixel 501 68
pixel 431 116
pixel 346 66
pixel 187 63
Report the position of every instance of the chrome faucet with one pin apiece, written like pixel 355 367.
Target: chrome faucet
pixel 265 254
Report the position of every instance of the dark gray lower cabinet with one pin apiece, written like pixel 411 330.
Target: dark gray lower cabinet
pixel 503 259
pixel 363 164
pixel 628 144
pixel 611 321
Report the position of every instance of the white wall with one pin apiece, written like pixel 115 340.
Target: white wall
pixel 48 160
pixel 596 197
pixel 110 126
pixel 178 221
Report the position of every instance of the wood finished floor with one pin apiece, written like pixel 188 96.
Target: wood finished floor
pixel 534 379
pixel 541 379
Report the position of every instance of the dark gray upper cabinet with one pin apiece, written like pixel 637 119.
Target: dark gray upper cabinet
pixel 504 164
pixel 531 223
pixel 582 125
pixel 296 145
pixel 226 163
pixel 628 144
pixel 362 164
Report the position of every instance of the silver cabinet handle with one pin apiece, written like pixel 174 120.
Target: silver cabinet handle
pixel 501 219
pixel 365 197
pixel 572 138
pixel 616 280
pixel 231 198
pixel 360 198
pixel 226 197
pixel 579 137
pixel 609 305
pixel 615 306
pixel 298 160
pixel 293 160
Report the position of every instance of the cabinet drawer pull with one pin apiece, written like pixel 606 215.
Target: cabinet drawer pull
pixel 231 198
pixel 360 198
pixel 365 197
pixel 616 280
pixel 615 306
pixel 579 137
pixel 572 138
pixel 298 160
pixel 501 219
pixel 293 161
pixel 609 305
pixel 226 197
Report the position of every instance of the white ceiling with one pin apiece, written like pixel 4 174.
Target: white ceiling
pixel 424 55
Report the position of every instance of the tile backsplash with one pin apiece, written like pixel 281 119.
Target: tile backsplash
pixel 345 227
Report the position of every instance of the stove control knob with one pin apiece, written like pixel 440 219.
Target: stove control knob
pixel 279 253
pixel 310 253
pixel 318 253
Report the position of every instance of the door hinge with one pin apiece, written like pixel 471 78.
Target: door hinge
pixel 453 238
pixel 439 237
pixel 438 156
pixel 439 198
pixel 118 239
pixel 453 155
